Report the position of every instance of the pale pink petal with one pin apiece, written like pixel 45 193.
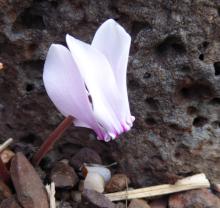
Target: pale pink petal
pixel 101 83
pixel 66 88
pixel 114 42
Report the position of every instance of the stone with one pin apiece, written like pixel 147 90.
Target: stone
pixel 29 188
pixel 159 203
pixel 85 155
pixel 63 204
pixel 216 187
pixel 64 176
pixel 10 202
pixel 93 199
pixel 173 81
pixel 120 205
pixel 6 155
pixel 63 194
pixel 197 199
pixel 138 203
pixel 118 182
pixel 76 196
pixel 81 185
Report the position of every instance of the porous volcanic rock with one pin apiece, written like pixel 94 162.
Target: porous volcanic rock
pixel 173 81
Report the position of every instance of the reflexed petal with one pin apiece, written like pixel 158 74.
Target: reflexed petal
pixel 114 42
pixel 65 86
pixel 101 83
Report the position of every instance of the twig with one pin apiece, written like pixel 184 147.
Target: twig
pixel 50 141
pixel 51 194
pixel 5 144
pixel 194 182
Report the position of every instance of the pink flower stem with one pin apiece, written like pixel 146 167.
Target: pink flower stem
pixel 4 173
pixel 51 139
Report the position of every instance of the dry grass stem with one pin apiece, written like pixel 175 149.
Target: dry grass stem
pixel 51 194
pixel 193 182
pixel 5 144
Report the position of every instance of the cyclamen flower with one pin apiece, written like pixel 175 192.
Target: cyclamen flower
pixel 88 82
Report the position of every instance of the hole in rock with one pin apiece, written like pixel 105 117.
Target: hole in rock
pixel 138 26
pixel 186 174
pixel 54 4
pixel 133 84
pixel 197 91
pixel 200 121
pixel 215 101
pixel 216 124
pixel 171 42
pixel 218 11
pixel 150 121
pixel 33 65
pixel 191 110
pixel 174 126
pixel 185 69
pixel 152 103
pixel 29 19
pixel 29 138
pixel 205 44
pixel 201 57
pixel 29 87
pixel 146 75
pixel 217 68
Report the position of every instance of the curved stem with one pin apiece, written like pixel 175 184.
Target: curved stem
pixel 51 139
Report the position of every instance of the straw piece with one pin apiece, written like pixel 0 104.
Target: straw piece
pixel 193 182
pixel 5 144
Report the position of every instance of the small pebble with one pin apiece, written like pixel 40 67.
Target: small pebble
pixel 94 181
pixel 118 182
pixel 159 203
pixel 64 176
pixel 81 185
pixel 6 155
pixel 201 198
pixel 76 196
pixel 138 203
pixel 93 199
pixel 216 187
pixel 120 205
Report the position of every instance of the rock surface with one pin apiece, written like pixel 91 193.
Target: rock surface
pixel 29 188
pixel 85 155
pixel 93 199
pixel 64 176
pixel 173 81
pixel 196 199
